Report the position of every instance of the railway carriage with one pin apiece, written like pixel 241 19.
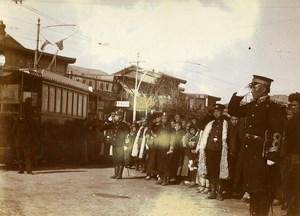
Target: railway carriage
pixel 59 106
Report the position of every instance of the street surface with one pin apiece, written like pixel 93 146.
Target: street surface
pixel 89 191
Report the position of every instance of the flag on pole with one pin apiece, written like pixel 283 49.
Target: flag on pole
pixel 45 44
pixel 60 45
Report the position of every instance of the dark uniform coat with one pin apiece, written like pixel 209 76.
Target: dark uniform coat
pixel 264 127
pixel 293 148
pixel 162 143
pixel 119 132
pixel 235 138
pixel 176 159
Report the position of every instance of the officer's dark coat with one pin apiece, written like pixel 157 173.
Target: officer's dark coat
pixel 119 132
pixel 293 135
pixel 162 143
pixel 263 117
pixel 176 159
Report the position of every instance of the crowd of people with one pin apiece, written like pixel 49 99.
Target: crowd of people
pixel 251 152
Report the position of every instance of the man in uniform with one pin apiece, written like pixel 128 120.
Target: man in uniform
pixel 162 136
pixel 260 148
pixel 23 130
pixel 119 132
pixel 213 152
pixel 293 149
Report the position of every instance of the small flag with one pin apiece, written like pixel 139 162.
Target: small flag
pixel 60 45
pixel 45 44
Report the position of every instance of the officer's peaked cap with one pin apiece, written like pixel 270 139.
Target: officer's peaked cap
pixel 261 80
pixel 294 97
pixel 218 106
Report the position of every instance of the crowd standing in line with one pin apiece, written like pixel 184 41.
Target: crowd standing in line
pixel 253 152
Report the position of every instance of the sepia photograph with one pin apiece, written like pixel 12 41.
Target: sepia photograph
pixel 149 107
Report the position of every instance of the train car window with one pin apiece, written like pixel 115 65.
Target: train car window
pixel 70 101
pixel 75 105
pixel 101 85
pixel 110 87
pixel 64 102
pixel 58 100
pixel 80 105
pixel 51 98
pixel 84 106
pixel 45 98
pixel 34 97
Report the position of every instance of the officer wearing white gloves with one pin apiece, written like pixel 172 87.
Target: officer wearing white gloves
pixel 263 135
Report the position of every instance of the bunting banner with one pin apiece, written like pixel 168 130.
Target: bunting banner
pixel 45 44
pixel 60 45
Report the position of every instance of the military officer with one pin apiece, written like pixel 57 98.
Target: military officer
pixel 259 151
pixel 119 132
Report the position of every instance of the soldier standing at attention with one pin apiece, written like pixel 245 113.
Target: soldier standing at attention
pixel 260 148
pixel 119 132
pixel 214 153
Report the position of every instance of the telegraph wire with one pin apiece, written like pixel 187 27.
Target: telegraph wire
pixel 57 21
pixel 90 39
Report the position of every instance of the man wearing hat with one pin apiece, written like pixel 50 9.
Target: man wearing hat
pixel 260 147
pixel 213 162
pixel 162 139
pixel 139 146
pixel 292 138
pixel 119 132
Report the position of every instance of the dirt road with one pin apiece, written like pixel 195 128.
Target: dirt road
pixel 90 191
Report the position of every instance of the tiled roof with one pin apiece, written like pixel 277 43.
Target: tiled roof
pixel 47 75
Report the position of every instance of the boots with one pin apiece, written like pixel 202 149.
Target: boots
pixel 212 194
pixel 159 180
pixel 120 172
pixel 219 192
pixel 137 164
pixel 116 172
pixel 165 180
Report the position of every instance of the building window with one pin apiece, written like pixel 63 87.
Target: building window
pixel 80 105
pixel 84 106
pixel 58 101
pixel 70 100
pixel 51 98
pixel 45 98
pixel 64 102
pixel 75 105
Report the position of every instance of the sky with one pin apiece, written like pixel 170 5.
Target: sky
pixel 215 45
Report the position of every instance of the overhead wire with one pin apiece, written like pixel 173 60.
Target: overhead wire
pixel 85 37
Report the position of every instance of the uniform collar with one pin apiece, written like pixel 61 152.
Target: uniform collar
pixel 262 99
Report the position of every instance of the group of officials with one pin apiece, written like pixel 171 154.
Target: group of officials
pixel 215 154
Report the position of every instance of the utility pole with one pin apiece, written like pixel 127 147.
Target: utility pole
pixel 37 46
pixel 135 87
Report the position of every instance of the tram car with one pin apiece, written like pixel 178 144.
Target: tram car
pixel 58 107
